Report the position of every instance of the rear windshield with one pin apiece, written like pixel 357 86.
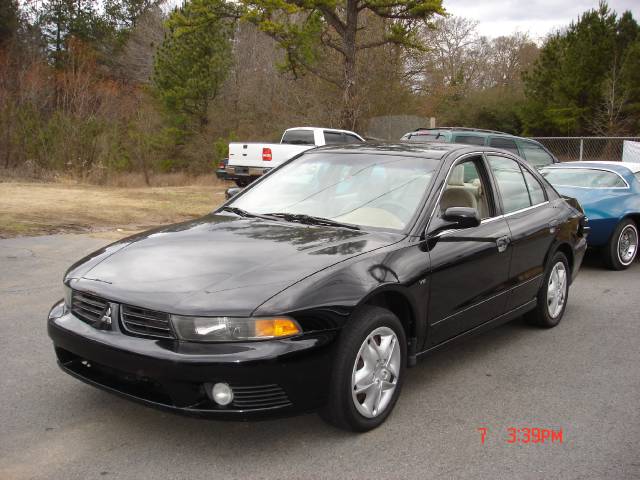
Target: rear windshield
pixel 298 137
pixel 582 178
pixel 536 155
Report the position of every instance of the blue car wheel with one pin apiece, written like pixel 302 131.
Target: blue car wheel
pixel 622 248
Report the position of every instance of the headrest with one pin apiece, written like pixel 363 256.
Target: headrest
pixel 457 176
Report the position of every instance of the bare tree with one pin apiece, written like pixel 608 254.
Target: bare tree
pixel 135 63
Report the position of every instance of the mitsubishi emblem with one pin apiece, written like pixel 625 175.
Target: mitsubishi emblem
pixel 106 318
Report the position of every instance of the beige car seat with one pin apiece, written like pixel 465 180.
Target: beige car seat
pixel 456 194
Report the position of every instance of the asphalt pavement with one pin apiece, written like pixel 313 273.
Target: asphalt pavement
pixel 582 378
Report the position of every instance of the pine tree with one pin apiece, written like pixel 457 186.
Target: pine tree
pixel 193 61
pixel 576 86
pixel 342 27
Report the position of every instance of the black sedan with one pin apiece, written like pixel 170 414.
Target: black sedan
pixel 316 286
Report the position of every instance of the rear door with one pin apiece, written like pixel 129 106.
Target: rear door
pixel 532 222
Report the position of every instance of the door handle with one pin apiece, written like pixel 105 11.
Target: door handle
pixel 503 243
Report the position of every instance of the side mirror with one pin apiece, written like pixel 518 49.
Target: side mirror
pixel 461 217
pixel 232 192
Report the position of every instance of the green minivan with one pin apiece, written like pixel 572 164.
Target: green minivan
pixel 533 152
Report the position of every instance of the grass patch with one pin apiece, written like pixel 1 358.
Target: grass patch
pixel 44 208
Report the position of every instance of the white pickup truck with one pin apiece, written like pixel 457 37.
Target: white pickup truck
pixel 249 160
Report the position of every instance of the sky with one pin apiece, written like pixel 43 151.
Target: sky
pixel 535 17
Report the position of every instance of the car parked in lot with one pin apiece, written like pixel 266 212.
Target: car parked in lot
pixel 317 285
pixel 533 152
pixel 609 193
pixel 249 160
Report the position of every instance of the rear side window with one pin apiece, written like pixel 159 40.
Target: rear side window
pixel 504 143
pixel 536 192
pixel 469 139
pixel 351 138
pixel 298 137
pixel 334 138
pixel 536 155
pixel 583 178
pixel 511 183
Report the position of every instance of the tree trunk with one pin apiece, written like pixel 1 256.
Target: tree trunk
pixel 348 115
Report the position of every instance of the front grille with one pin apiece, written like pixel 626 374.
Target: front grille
pixel 88 307
pixel 148 323
pixel 261 396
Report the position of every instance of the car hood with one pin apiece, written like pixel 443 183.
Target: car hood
pixel 217 265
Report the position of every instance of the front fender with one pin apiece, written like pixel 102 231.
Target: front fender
pixel 338 290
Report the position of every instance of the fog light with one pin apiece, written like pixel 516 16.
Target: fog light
pixel 222 394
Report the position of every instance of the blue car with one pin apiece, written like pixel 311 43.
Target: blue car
pixel 609 193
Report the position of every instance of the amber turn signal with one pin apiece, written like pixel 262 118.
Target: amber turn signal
pixel 276 327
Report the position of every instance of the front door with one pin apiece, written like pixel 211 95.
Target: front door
pixel 470 267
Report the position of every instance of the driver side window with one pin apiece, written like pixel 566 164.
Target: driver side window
pixel 466 187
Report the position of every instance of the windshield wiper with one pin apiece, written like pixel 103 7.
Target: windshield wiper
pixel 238 211
pixel 311 220
pixel 243 213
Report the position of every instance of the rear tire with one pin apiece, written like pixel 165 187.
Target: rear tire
pixel 553 294
pixel 622 248
pixel 368 371
pixel 242 182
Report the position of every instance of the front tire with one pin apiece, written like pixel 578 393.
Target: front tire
pixel 622 248
pixel 368 370
pixel 553 294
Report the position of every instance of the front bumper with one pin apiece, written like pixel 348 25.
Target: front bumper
pixel 269 378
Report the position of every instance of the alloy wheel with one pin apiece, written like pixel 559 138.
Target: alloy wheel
pixel 557 289
pixel 375 372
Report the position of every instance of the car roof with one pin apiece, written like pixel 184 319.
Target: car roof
pixel 431 150
pixel 618 167
pixel 477 131
pixel 321 128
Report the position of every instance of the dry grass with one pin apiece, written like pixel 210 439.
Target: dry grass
pixel 42 208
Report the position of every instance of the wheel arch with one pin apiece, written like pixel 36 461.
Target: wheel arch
pixel 398 301
pixel 632 216
pixel 565 248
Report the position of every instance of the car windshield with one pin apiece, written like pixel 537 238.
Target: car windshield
pixel 582 177
pixel 369 190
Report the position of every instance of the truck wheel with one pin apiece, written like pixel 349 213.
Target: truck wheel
pixel 622 248
pixel 553 294
pixel 368 370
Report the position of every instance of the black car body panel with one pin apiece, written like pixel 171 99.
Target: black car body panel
pixel 441 284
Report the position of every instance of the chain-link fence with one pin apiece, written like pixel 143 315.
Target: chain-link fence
pixel 568 149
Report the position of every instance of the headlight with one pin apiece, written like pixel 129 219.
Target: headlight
pixel 229 329
pixel 67 297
